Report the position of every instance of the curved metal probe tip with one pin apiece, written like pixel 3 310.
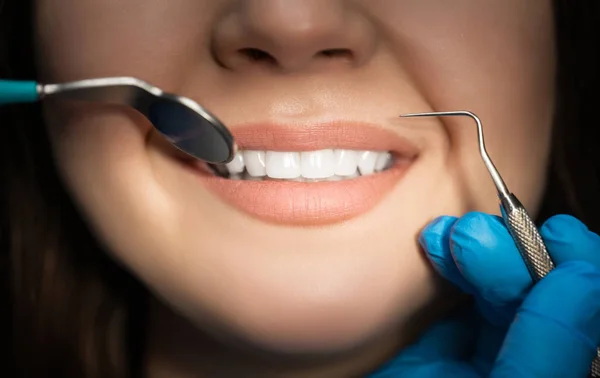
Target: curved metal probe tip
pixel 498 181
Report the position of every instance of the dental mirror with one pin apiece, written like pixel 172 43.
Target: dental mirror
pixel 183 122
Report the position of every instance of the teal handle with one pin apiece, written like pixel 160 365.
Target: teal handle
pixel 14 92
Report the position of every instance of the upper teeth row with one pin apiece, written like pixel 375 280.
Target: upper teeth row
pixel 310 164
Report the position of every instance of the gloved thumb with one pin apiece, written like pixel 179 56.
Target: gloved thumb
pixel 557 328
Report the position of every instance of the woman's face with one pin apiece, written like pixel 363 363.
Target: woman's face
pixel 297 253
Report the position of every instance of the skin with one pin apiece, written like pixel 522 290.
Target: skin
pixel 328 301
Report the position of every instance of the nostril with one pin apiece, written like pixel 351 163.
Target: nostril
pixel 333 53
pixel 257 55
pixel 337 53
pixel 264 58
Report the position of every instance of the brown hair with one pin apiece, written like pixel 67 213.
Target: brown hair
pixel 70 305
pixel 74 313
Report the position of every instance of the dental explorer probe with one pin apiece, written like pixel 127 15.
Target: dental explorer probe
pixel 520 225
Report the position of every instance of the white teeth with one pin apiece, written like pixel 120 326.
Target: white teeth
pixel 383 160
pixel 346 162
pixel 317 164
pixel 366 162
pixel 283 165
pixel 237 164
pixel 256 163
pixel 307 166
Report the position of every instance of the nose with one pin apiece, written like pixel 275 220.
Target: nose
pixel 293 35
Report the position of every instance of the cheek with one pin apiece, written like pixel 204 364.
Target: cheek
pixel 149 39
pixel 101 154
pixel 90 137
pixel 501 66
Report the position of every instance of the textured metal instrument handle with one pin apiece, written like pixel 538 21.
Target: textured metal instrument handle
pixel 527 238
pixel 595 370
pixel 532 249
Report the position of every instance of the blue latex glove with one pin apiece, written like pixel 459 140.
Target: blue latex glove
pixel 513 330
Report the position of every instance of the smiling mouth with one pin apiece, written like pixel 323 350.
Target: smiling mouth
pixel 307 166
pixel 312 175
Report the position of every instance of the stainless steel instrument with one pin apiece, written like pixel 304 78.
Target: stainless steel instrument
pixel 182 121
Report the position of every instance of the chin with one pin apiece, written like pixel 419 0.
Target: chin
pixel 329 301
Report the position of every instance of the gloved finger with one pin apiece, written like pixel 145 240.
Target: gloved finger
pixel 557 328
pixel 489 260
pixel 435 241
pixel 478 255
pixel 568 239
pixel 444 348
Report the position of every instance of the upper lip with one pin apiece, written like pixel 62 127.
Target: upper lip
pixel 338 135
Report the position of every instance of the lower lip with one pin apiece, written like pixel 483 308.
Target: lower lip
pixel 306 203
